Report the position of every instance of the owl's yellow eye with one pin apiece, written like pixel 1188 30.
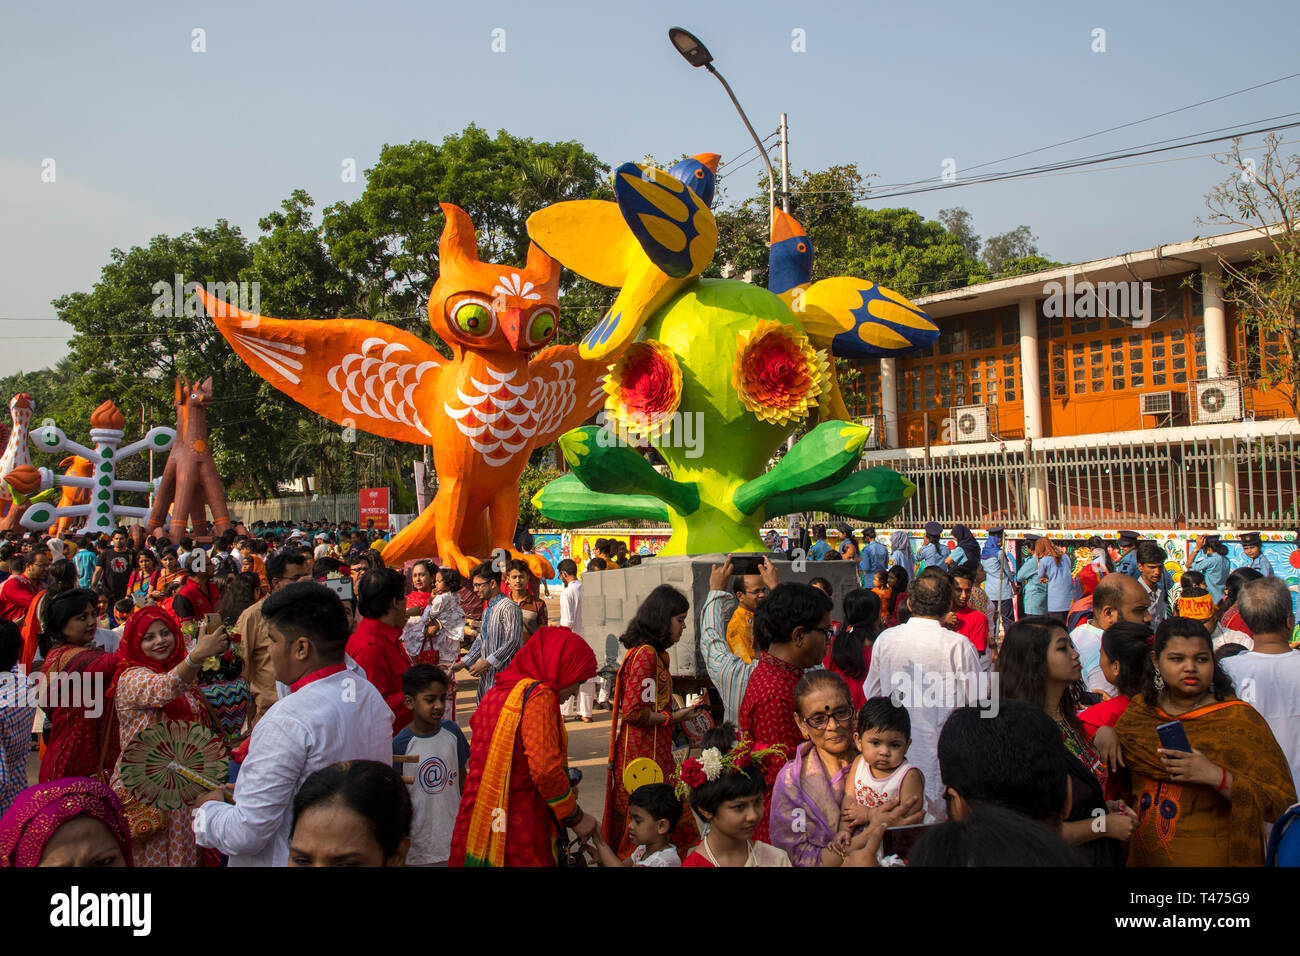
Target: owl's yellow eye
pixel 473 318
pixel 541 326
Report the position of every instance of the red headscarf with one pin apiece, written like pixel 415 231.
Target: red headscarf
pixel 39 811
pixel 131 655
pixel 553 655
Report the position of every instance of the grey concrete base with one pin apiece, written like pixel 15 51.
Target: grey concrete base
pixel 610 599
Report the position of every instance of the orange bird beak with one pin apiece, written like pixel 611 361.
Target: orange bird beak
pixel 708 159
pixel 512 325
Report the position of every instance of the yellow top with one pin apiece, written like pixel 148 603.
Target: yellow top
pixel 740 634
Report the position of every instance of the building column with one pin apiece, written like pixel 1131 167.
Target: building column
pixel 1218 366
pixel 1225 482
pixel 1029 368
pixel 1216 323
pixel 1036 483
pixel 889 400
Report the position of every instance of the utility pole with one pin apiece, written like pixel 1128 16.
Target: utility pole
pixel 792 521
pixel 785 165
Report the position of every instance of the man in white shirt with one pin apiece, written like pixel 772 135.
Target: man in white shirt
pixel 332 713
pixel 929 670
pixel 322 546
pixel 1117 598
pixel 571 617
pixel 1268 678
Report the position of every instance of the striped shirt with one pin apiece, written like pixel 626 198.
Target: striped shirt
pixel 729 673
pixel 17 714
pixel 499 637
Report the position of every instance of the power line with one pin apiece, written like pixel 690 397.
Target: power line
pixel 1138 122
pixel 1074 164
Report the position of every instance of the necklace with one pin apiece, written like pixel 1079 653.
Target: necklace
pixel 708 851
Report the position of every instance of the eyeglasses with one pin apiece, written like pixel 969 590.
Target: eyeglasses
pixel 841 715
pixel 758 591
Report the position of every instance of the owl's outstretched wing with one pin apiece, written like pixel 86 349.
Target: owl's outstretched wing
pixel 368 375
pixel 567 390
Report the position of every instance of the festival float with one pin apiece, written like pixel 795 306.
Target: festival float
pixel 505 391
pixel 103 512
pixel 190 482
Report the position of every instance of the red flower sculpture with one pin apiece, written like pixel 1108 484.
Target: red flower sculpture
pixel 778 375
pixel 644 387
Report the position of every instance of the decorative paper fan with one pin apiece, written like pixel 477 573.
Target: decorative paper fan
pixel 169 763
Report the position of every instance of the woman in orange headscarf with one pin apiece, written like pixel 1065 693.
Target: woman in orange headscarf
pixel 518 764
pixel 155 681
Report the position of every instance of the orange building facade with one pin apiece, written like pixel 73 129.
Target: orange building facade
pixel 1126 368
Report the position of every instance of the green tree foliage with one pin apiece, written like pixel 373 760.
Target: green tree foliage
pixel 1264 290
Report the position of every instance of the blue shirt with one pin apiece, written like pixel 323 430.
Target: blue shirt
pixel 85 561
pixel 1034 596
pixel 1215 568
pixel 875 557
pixel 819 550
pixel 1060 584
pixel 930 556
pixel 1261 565
pixel 997 576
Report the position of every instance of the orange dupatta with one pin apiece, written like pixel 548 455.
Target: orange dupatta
pixel 1232 735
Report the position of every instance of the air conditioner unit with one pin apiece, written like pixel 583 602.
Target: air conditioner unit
pixel 974 423
pixel 1217 400
pixel 1170 407
pixel 877 437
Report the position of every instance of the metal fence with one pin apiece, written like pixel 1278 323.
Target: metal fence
pixel 1146 483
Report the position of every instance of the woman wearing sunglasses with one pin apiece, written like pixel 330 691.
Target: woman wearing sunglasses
pixel 809 789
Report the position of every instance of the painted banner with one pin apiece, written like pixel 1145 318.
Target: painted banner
pixel 551 547
pixel 374 504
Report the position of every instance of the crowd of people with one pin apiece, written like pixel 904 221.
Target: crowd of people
pixel 948 709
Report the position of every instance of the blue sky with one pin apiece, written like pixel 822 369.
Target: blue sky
pixel 149 137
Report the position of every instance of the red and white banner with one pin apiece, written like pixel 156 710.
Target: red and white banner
pixel 374 504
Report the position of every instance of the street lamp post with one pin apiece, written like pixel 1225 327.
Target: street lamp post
pixel 697 54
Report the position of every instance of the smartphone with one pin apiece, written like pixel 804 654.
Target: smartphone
pixel 744 563
pixel 211 621
pixel 899 841
pixel 340 586
pixel 1173 736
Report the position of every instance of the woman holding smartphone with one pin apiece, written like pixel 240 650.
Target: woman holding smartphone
pixel 1207 805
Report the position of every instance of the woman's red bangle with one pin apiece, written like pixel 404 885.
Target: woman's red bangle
pixel 1223 781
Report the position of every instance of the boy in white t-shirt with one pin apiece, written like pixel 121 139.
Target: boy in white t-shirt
pixel 652 813
pixel 437 775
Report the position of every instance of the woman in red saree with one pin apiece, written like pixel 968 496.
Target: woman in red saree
pixel 644 719
pixel 518 763
pixel 80 743
pixel 1206 807
pixel 421 586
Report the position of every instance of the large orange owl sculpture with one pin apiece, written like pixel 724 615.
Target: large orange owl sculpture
pixel 503 393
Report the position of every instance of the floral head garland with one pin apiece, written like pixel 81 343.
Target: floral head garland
pixel 713 763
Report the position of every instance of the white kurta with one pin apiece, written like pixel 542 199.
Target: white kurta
pixel 929 670
pixel 340 717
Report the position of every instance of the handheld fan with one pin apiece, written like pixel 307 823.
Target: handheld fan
pixel 169 763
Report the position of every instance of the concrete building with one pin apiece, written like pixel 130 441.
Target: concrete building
pixel 1111 393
